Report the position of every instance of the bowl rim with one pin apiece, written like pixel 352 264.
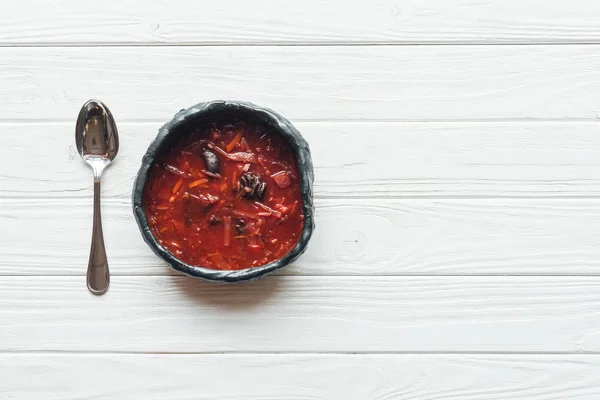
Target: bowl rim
pixel 305 169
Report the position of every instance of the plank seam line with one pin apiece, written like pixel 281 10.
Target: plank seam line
pixel 32 199
pixel 590 120
pixel 349 276
pixel 325 353
pixel 491 42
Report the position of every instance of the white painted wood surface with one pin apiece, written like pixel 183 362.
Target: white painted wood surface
pixel 224 22
pixel 253 376
pixel 406 83
pixel 166 314
pixel 457 250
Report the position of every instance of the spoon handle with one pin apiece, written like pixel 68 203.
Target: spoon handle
pixel 98 277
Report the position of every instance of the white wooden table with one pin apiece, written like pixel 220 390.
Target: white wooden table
pixel 457 250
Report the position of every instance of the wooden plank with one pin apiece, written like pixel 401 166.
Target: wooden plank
pixel 312 21
pixel 303 314
pixel 306 82
pixel 353 237
pixel 253 376
pixel 525 159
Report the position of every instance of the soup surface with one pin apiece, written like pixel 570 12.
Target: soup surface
pixel 226 197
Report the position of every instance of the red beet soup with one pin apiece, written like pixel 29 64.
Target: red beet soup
pixel 226 196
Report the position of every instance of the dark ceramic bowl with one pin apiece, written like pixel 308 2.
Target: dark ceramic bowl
pixel 198 115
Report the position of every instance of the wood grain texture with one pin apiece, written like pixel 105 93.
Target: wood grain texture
pixel 303 314
pixel 457 159
pixel 457 250
pixel 424 83
pixel 353 237
pixel 299 377
pixel 313 21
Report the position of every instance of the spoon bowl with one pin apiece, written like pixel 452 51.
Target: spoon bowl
pixel 97 141
pixel 96 135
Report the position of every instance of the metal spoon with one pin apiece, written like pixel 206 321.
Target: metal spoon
pixel 97 141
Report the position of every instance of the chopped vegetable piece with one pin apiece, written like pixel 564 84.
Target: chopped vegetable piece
pixel 175 171
pixel 216 148
pixel 177 186
pixel 282 179
pixel 281 208
pixel 242 157
pixel 235 141
pixel 212 175
pixel 268 209
pixel 227 230
pixel 197 182
pixel 205 198
pixel 197 173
